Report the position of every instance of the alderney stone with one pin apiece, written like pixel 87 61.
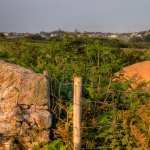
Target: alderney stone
pixel 24 116
pixel 138 74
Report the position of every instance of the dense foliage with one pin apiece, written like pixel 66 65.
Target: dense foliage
pixel 109 114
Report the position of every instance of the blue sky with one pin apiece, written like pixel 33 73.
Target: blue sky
pixel 89 15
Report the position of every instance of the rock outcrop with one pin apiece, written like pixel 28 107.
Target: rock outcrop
pixel 24 116
pixel 137 73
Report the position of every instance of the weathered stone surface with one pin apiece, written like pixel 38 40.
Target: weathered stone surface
pixel 137 73
pixel 24 116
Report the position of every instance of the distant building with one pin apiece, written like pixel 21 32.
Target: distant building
pixel 113 36
pixel 57 33
pixel 5 34
pixel 136 35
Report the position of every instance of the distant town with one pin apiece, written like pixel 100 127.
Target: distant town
pixel 59 33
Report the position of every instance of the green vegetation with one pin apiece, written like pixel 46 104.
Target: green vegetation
pixel 54 145
pixel 109 114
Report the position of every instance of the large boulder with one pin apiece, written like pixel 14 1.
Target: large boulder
pixel 138 73
pixel 24 114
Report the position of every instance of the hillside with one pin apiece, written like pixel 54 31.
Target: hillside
pixel 110 118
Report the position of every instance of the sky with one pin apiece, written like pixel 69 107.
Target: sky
pixel 83 15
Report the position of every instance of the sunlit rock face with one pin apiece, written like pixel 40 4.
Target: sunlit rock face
pixel 24 116
pixel 138 74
